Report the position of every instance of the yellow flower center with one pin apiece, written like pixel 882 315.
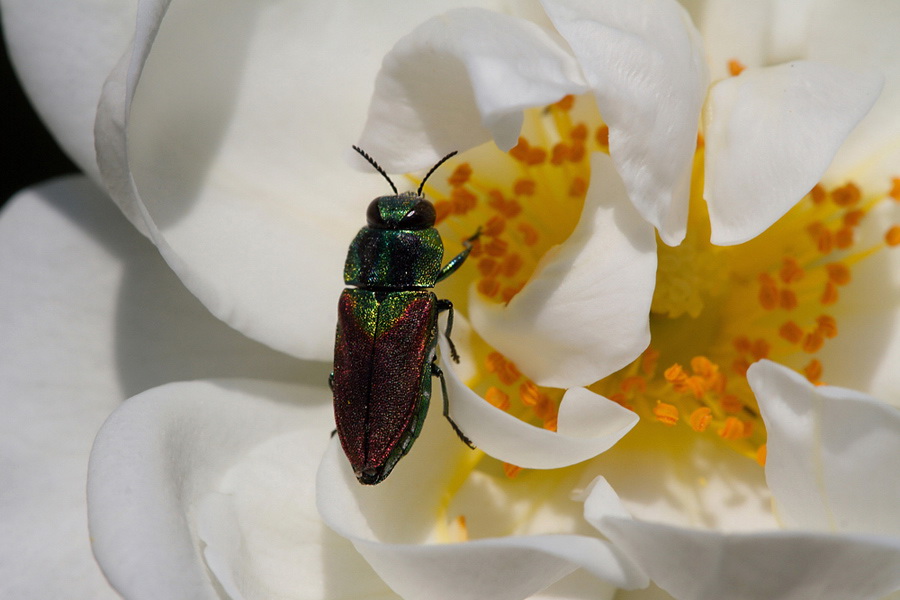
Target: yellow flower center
pixel 715 310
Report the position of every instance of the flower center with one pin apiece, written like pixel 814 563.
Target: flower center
pixel 715 310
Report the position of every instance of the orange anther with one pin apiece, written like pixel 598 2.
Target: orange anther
pixel 497 397
pixel 827 326
pixel 813 342
pixel 578 187
pixel 760 348
pixel 550 424
pixel 839 273
pixel 791 332
pixel 740 366
pixel 536 156
pixel 825 242
pixel 741 343
pixel 675 374
pixel 463 200
pixel 494 226
pixel 494 361
pixel 700 419
pixel 788 299
pixel 853 217
pixel 510 291
pixel 520 150
pixel 731 403
pixel 649 360
pixel 511 264
pixel 704 367
pixel 442 209
pixel 813 370
pixel 529 234
pixel 843 238
pixel 846 195
pixel 732 429
pixel 892 237
pixel 817 194
pixel 488 286
pixel 566 103
pixel 579 132
pixel 488 267
pixel 761 455
pixel 511 471
pixel 460 175
pixel 666 413
pixel 495 247
pixel 577 152
pixel 895 189
pixel 559 154
pixel 602 135
pixel 509 373
pixel 768 292
pixel 791 271
pixel 524 187
pixel 634 383
pixel 529 393
pixel 735 67
pixel 830 294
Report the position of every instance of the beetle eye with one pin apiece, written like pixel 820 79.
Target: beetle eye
pixel 373 215
pixel 420 216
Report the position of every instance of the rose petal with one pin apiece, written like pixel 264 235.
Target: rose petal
pixel 862 36
pixel 89 314
pixel 63 52
pixel 223 135
pixel 644 62
pixel 585 313
pixel 158 455
pixel 770 135
pixel 457 81
pixel 827 451
pixel 375 520
pixel 700 565
pixel 588 424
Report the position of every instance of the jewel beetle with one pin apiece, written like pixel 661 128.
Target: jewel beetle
pixel 387 328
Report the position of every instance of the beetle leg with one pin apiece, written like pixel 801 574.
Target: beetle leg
pixel 457 261
pixel 442 305
pixel 436 372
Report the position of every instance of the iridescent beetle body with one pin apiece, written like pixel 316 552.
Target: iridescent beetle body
pixel 384 353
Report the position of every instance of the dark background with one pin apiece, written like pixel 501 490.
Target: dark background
pixel 30 155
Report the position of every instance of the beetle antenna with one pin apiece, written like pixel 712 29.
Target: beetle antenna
pixel 378 167
pixel 433 169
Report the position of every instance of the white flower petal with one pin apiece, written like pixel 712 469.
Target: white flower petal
pixel 90 315
pixel 158 455
pixel 702 565
pixel 770 135
pixel 827 452
pixel 862 35
pixel 385 524
pixel 63 52
pixel 224 134
pixel 459 80
pixel 644 61
pixel 585 313
pixel 588 424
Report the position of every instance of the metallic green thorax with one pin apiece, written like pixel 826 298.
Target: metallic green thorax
pixel 389 258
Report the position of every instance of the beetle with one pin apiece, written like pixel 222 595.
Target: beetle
pixel 387 329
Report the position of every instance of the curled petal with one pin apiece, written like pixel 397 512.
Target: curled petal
pixel 644 62
pixel 585 312
pixel 228 150
pixel 157 456
pixel 63 53
pixel 770 135
pixel 588 424
pixel 827 451
pixel 386 526
pixel 459 80
pixel 693 564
